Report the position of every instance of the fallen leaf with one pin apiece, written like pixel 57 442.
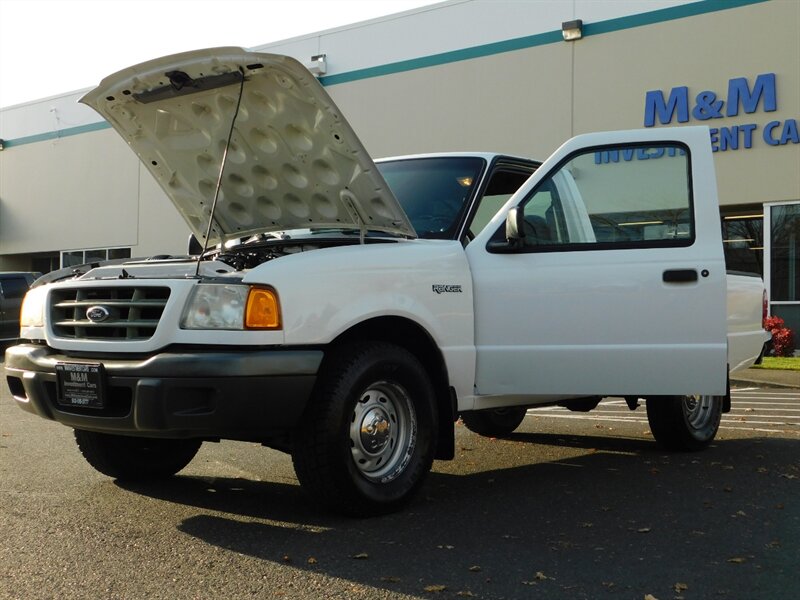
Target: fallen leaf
pixel 587 525
pixel 445 547
pixel 466 593
pixel 680 587
pixel 311 560
pixel 540 576
pixel 435 589
pixel 650 597
pixel 737 559
pixel 475 568
pixel 762 470
pixel 788 476
pixel 360 556
pixel 643 530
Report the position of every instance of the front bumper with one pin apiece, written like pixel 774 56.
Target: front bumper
pixel 245 395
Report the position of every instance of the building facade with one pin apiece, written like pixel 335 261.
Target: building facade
pixel 470 75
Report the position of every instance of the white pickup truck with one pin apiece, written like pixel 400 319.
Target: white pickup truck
pixel 349 312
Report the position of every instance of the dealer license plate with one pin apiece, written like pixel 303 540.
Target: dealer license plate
pixel 81 384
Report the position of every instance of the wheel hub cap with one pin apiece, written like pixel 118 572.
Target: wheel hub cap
pixel 375 430
pixel 697 410
pixel 383 431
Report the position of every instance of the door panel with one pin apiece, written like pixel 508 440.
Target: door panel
pixel 598 297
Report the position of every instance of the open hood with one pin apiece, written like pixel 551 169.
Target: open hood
pixel 293 160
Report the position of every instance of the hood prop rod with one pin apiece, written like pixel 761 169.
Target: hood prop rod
pixel 219 176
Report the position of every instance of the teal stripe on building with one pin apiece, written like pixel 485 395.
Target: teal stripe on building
pixel 541 39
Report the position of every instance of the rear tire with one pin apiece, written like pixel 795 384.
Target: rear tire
pixel 135 458
pixel 684 422
pixel 367 440
pixel 496 422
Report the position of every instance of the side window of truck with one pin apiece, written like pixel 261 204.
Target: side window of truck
pixel 502 185
pixel 626 197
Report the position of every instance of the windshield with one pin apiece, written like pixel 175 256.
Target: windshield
pixel 433 192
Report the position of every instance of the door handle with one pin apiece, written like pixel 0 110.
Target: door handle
pixel 680 276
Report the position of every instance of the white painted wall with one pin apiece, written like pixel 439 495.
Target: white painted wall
pixel 79 188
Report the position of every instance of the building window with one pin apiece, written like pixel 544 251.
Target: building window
pixel 74 258
pixel 784 262
pixel 743 239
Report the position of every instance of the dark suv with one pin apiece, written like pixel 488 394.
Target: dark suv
pixel 13 286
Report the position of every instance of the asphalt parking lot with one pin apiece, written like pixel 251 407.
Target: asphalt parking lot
pixel 571 506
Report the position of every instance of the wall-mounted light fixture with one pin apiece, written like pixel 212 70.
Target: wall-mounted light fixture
pixel 572 30
pixel 318 65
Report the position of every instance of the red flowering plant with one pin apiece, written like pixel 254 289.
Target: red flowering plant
pixel 782 336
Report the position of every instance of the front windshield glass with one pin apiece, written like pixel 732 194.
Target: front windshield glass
pixel 433 191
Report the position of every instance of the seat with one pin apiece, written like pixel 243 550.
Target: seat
pixel 537 231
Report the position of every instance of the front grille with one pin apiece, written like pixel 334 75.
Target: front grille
pixel 128 313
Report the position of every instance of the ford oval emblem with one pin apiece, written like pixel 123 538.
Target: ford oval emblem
pixel 97 314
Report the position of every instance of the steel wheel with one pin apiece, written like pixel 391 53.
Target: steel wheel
pixel 684 422
pixel 368 435
pixel 698 411
pixel 383 432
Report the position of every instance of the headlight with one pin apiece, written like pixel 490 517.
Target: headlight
pixel 32 313
pixel 236 307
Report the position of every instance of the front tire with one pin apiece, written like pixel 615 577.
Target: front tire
pixel 496 422
pixel 134 458
pixel 686 423
pixel 368 437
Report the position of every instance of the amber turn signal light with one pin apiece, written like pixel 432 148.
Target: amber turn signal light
pixel 263 310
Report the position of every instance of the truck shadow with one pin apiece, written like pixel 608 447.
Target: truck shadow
pixel 616 515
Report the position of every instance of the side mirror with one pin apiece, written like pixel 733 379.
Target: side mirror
pixel 515 226
pixel 515 233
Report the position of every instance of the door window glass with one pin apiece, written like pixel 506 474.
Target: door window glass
pixel 500 188
pixel 623 197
